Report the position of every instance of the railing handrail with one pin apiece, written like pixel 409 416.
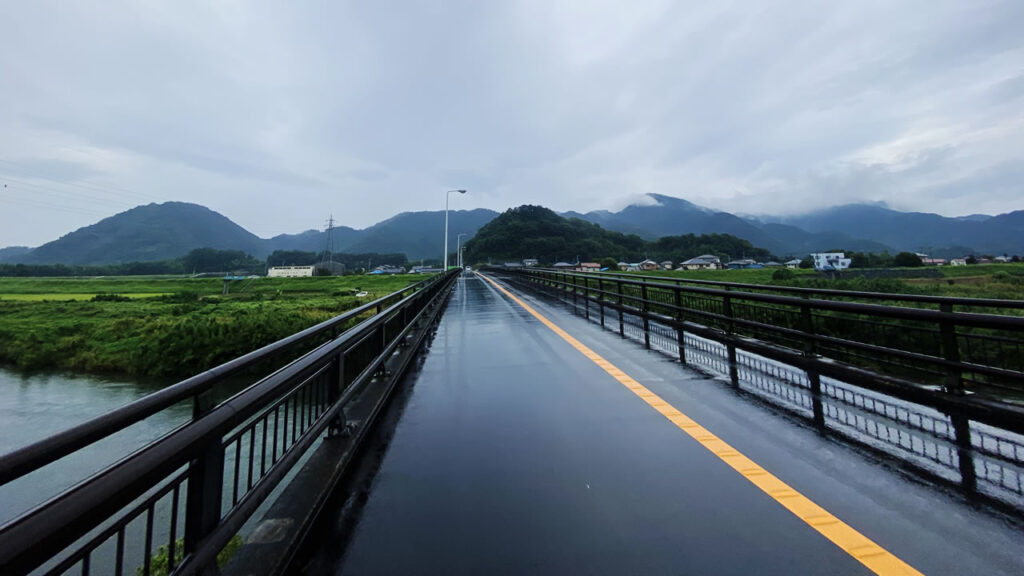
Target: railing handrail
pixel 921 298
pixel 34 456
pixel 964 318
pixel 63 519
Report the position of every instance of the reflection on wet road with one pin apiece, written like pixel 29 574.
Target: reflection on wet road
pixel 518 454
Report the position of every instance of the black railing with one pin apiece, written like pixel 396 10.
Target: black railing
pixel 991 305
pixel 943 371
pixel 192 490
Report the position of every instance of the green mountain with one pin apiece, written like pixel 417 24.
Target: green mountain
pixel 536 232
pixel 147 233
pixel 420 234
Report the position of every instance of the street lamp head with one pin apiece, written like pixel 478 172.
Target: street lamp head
pixel 459 191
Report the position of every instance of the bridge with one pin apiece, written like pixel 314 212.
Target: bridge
pixel 534 421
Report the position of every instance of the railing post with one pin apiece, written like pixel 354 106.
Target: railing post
pixel 813 377
pixel 600 298
pixel 950 351
pixel 618 288
pixel 680 335
pixel 586 298
pixel 205 488
pixel 335 390
pixel 643 313
pixel 730 347
pixel 954 385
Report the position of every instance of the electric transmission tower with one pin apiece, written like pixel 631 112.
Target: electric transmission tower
pixel 328 258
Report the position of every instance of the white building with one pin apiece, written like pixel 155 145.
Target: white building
pixel 702 262
pixel 830 261
pixel 290 271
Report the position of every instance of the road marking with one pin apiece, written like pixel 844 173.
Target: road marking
pixel 860 547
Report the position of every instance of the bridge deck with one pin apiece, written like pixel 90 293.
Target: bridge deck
pixel 518 454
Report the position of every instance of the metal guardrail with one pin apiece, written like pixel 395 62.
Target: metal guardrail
pixel 202 481
pixel 935 301
pixel 966 366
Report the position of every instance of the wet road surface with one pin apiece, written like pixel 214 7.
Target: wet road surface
pixel 517 454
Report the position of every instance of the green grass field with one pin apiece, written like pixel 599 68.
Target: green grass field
pixel 68 297
pixel 165 326
pixel 1000 281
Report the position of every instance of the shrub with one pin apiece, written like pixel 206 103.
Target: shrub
pixel 783 275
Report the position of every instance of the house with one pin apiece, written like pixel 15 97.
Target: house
pixel 958 262
pixel 702 262
pixel 771 264
pixel 530 262
pixel 794 263
pixel 933 261
pixel 512 265
pixel 563 266
pixel 666 265
pixel 589 267
pixel 648 265
pixel 742 264
pixel 1001 259
pixel 623 266
pixel 290 271
pixel 830 261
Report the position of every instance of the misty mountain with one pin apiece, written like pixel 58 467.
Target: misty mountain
pixel 918 231
pixel 419 234
pixel 669 216
pixel 312 240
pixel 12 253
pixel 146 233
pixel 171 230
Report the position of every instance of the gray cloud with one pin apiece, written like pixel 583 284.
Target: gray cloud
pixel 278 115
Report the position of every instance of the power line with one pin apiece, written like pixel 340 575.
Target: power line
pixel 137 196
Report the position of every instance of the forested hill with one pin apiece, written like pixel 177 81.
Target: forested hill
pixel 145 234
pixel 537 232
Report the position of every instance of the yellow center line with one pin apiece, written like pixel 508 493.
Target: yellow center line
pixel 860 547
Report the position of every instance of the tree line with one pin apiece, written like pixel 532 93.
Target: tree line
pixel 204 260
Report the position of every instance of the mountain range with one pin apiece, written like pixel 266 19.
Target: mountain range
pixel 171 229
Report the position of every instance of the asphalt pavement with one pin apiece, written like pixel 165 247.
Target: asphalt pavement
pixel 518 454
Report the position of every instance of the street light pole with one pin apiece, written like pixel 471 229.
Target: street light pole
pixel 458 248
pixel 446 197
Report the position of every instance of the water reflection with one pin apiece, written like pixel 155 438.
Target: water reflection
pixel 34 406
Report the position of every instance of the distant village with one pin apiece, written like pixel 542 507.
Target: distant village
pixel 822 262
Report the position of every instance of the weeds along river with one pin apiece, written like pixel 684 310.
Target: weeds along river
pixel 34 406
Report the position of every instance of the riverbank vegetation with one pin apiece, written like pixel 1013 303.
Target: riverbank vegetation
pixel 165 326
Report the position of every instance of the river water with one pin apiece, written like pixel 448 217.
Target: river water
pixel 34 406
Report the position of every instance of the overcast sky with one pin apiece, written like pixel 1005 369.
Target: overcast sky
pixel 277 114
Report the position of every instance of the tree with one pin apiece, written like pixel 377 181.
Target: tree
pixel 610 263
pixel 807 262
pixel 907 260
